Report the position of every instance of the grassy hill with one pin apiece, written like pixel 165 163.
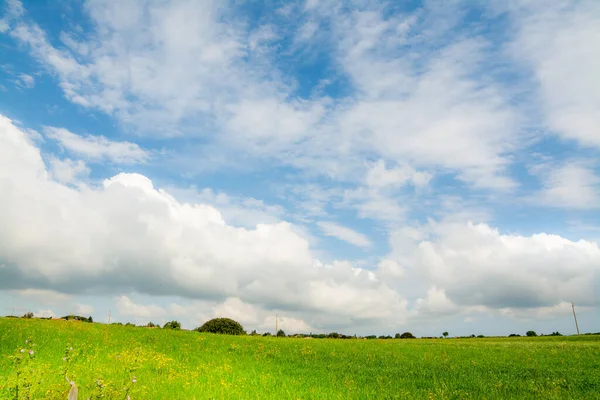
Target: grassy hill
pixel 118 361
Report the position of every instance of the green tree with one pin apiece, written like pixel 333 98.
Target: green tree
pixel 172 325
pixel 531 333
pixel 280 333
pixel 445 334
pixel 407 335
pixel 224 326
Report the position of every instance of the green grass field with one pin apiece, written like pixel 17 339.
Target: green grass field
pixel 168 364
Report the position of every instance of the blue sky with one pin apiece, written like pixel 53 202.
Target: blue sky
pixel 352 166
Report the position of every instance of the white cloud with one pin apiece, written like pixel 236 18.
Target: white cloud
pixel 436 303
pixel 538 313
pixel 187 71
pixel 344 233
pixel 84 309
pixel 98 148
pixel 425 106
pixel 237 211
pixel 560 43
pixel 4 26
pixel 475 265
pixel 380 176
pixel 390 270
pixel 67 170
pixel 128 234
pixel 571 185
pixel 128 308
pixel 26 81
pixel 47 297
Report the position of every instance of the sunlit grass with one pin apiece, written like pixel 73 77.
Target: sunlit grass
pixel 118 361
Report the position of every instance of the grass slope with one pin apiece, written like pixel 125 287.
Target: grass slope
pixel 170 364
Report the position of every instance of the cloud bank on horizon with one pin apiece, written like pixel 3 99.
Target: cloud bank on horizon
pixel 351 166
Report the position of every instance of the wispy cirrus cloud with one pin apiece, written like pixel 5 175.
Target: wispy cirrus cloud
pixel 344 233
pixel 97 148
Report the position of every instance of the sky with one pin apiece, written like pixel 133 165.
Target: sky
pixel 352 166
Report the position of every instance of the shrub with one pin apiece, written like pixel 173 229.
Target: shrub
pixel 224 326
pixel 407 335
pixel 280 333
pixel 531 333
pixel 28 315
pixel 172 325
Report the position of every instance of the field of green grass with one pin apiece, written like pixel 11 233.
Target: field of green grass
pixel 166 364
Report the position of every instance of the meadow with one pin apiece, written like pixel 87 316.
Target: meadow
pixel 119 362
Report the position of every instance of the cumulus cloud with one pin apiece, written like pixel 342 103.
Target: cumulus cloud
pixel 97 148
pixel 67 170
pixel 141 237
pixel 476 265
pixel 128 308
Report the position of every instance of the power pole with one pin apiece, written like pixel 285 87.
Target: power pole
pixel 109 317
pixel 575 316
pixel 276 326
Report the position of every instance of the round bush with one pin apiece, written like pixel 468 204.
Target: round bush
pixel 407 335
pixel 224 326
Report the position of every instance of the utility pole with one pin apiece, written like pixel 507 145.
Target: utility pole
pixel 109 317
pixel 276 326
pixel 575 316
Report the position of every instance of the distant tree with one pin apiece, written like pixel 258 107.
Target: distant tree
pixel 28 315
pixel 531 333
pixel 280 333
pixel 371 337
pixel 224 326
pixel 397 336
pixel 480 336
pixel 514 335
pixel 407 335
pixel 152 325
pixel 77 318
pixel 445 334
pixel 130 324
pixel 333 335
pixel 557 333
pixel 253 333
pixel 172 325
pixel 267 334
